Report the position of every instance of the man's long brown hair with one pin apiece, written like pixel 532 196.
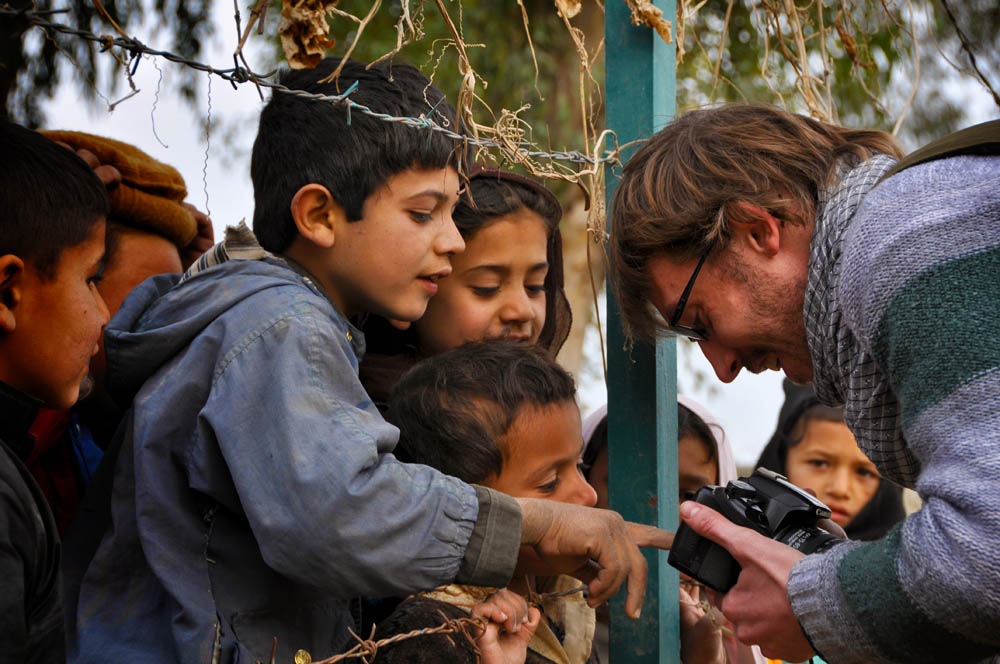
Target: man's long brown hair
pixel 679 194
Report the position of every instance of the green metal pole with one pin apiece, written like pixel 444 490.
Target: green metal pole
pixel 642 383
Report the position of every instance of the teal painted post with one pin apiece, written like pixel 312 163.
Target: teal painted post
pixel 642 383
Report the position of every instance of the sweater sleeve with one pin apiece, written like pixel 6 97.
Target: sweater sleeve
pixel 327 501
pixel 919 288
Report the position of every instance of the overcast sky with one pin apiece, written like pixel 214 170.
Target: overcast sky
pixel 747 408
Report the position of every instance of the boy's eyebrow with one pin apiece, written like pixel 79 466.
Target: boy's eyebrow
pixel 542 472
pixel 436 194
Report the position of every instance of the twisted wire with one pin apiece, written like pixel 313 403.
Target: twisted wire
pixel 237 75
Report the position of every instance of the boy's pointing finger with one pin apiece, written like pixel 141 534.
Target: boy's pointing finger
pixel 650 536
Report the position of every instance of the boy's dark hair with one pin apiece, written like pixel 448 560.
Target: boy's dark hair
pixel 452 409
pixel 50 198
pixel 307 141
pixel 689 424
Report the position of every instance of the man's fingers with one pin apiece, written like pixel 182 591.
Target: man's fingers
pixel 832 527
pixel 708 523
pixel 650 536
pixel 108 175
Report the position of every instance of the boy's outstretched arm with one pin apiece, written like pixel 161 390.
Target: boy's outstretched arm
pixel 567 537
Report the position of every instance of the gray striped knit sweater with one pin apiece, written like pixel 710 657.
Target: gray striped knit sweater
pixel 903 321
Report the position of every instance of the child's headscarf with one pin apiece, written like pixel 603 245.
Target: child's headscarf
pixel 878 516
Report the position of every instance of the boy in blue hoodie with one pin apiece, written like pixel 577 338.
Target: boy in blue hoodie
pixel 255 492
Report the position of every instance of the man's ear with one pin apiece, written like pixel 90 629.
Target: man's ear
pixel 317 215
pixel 11 284
pixel 758 228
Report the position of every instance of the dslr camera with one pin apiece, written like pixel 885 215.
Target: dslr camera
pixel 766 502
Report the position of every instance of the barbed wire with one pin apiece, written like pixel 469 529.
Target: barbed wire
pixel 469 627
pixel 237 75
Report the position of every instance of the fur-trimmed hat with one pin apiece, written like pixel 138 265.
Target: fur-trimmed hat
pixel 151 192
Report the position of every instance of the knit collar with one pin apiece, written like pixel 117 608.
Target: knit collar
pixel 17 413
pixel 825 332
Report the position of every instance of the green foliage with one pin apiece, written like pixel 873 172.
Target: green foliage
pixel 498 50
pixel 868 71
pixel 26 79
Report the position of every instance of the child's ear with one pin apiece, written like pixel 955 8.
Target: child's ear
pixel 758 228
pixel 317 215
pixel 11 277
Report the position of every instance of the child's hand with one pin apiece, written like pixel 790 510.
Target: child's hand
pixel 512 624
pixel 701 634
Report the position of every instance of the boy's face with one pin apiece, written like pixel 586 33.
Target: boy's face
pixel 389 262
pixel 542 456
pixel 57 324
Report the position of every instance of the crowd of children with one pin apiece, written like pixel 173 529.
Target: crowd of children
pixel 250 494
pixel 353 401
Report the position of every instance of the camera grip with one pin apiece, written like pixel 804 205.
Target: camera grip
pixel 703 560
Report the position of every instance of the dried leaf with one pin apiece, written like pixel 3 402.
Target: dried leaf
pixel 303 31
pixel 568 8
pixel 646 13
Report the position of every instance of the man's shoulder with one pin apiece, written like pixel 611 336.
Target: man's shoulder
pixel 922 217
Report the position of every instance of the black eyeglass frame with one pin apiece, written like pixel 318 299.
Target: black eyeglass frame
pixel 684 330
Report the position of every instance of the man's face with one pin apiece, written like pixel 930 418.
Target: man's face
pixel 137 256
pixel 58 324
pixel 750 309
pixel 389 262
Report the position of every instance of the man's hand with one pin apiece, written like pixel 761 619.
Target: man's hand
pixel 758 604
pixel 203 239
pixel 505 638
pixel 109 176
pixel 568 539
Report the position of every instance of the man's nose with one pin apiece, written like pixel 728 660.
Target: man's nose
pixel 726 362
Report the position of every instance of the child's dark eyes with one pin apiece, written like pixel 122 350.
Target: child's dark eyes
pixel 98 276
pixel 420 217
pixel 485 291
pixel 535 290
pixel 549 487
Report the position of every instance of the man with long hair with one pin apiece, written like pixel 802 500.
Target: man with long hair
pixel 779 242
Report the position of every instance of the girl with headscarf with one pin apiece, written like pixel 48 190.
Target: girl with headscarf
pixel 704 456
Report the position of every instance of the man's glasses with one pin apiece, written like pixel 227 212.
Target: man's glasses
pixel 683 330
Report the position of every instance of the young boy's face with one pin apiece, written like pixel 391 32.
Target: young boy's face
pixel 57 324
pixel 542 456
pixel 389 262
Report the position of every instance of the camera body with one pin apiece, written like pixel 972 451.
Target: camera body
pixel 766 502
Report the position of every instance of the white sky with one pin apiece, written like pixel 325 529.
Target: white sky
pixel 747 408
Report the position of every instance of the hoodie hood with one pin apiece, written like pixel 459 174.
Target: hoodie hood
pixel 165 313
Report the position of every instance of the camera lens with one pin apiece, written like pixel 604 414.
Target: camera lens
pixel 807 539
